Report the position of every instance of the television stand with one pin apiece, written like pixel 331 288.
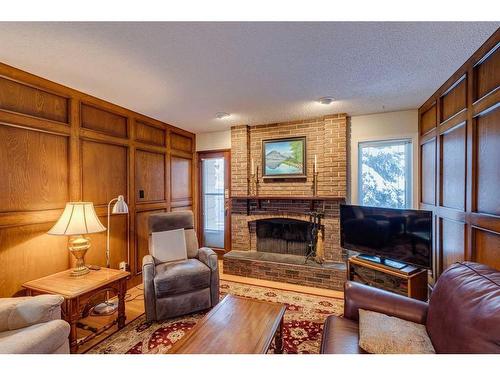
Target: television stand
pixel 384 261
pixel 408 281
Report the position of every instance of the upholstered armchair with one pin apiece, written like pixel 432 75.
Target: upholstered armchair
pixel 180 287
pixel 33 325
pixel 462 316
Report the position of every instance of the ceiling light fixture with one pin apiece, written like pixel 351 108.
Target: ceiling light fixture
pixel 326 100
pixel 221 115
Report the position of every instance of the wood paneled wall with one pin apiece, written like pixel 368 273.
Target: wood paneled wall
pixel 59 145
pixel 460 161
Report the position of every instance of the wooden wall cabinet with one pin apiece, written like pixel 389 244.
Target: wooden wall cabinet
pixel 459 129
pixel 58 145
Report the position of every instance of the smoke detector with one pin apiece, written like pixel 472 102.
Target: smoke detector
pixel 326 100
pixel 221 115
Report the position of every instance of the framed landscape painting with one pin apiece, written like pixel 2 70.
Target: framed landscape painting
pixel 284 158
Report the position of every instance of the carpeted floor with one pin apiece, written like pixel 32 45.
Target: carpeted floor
pixel 303 323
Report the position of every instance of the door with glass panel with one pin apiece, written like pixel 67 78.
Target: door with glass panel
pixel 214 199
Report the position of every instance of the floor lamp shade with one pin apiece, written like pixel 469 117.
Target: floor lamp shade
pixel 77 219
pixel 120 207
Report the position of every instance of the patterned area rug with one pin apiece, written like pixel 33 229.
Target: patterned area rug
pixel 303 323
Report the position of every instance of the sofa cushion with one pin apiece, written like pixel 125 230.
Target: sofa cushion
pixel 340 336
pixel 181 277
pixel 464 310
pixel 42 338
pixel 384 334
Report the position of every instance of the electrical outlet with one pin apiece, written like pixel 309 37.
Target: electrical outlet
pixel 124 266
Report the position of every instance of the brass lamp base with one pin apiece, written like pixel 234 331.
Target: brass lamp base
pixel 78 246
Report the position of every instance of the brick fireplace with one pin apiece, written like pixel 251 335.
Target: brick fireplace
pixel 270 219
pixel 283 236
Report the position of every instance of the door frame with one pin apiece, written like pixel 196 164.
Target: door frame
pixel 226 154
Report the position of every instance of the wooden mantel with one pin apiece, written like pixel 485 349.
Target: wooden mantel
pixel 311 198
pixel 288 197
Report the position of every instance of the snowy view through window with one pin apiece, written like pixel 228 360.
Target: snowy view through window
pixel 384 174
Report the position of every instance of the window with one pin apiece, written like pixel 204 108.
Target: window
pixel 213 201
pixel 385 176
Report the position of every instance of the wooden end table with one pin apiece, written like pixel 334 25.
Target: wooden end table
pixel 78 293
pixel 237 325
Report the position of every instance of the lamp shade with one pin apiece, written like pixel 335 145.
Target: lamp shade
pixel 120 206
pixel 77 218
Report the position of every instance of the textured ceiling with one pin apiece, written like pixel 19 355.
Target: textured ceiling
pixel 183 73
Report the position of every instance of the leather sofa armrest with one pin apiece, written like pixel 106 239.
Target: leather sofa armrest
pixel 358 296
pixel 208 257
pixel 21 312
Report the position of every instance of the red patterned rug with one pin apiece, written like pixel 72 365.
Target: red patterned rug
pixel 303 323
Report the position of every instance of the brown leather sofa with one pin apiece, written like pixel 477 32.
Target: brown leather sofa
pixel 462 316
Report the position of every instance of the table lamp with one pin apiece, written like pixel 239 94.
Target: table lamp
pixel 119 208
pixel 78 218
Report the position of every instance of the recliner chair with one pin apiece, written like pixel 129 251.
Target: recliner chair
pixel 181 287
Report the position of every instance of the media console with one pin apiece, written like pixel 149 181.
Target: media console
pixel 408 281
pixel 382 261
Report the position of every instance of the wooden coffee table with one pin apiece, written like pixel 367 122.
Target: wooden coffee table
pixel 236 325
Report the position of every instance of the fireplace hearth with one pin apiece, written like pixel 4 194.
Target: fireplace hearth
pixel 273 237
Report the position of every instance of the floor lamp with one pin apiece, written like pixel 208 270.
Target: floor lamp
pixel 119 208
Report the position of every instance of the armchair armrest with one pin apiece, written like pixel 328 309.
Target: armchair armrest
pixel 149 266
pixel 358 296
pixel 21 312
pixel 148 276
pixel 209 257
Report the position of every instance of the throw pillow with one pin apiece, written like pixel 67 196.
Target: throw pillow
pixel 168 246
pixel 383 334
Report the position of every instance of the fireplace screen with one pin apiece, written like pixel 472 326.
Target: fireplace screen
pixel 283 236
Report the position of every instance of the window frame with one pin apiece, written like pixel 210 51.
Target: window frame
pixel 408 143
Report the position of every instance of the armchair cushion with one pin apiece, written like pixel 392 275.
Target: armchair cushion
pixel 16 313
pixel 358 296
pixel 181 277
pixel 383 334
pixel 191 243
pixel 340 336
pixel 42 338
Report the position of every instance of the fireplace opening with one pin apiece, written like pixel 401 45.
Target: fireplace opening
pixel 283 236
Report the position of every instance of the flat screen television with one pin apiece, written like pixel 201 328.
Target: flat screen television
pixel 388 235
